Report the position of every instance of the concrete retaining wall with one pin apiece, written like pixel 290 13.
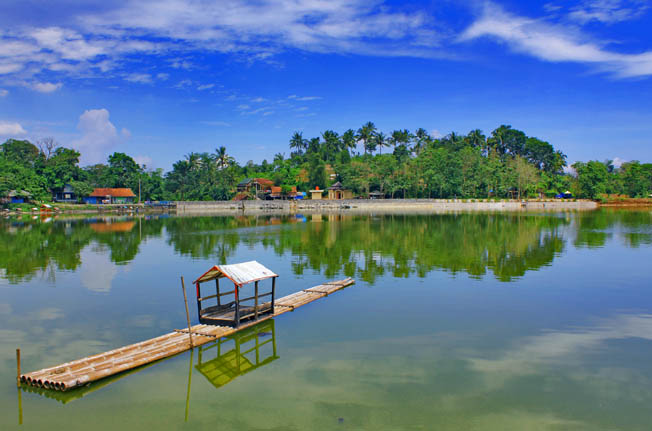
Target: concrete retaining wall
pixel 380 205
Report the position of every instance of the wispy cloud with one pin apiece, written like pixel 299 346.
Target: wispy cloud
pixel 609 11
pixel 142 78
pixel 3 92
pixel 205 87
pixel 555 42
pixel 86 41
pixel 11 129
pixel 303 98
pixel 45 87
pixel 216 123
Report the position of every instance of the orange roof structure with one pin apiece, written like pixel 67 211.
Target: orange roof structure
pixel 116 193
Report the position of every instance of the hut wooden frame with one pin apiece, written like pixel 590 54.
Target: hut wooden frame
pixel 231 308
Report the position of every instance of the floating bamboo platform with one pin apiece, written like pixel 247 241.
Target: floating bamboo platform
pixel 91 368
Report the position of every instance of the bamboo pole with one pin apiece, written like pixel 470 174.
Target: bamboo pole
pixel 20 406
pixel 18 368
pixel 192 353
pixel 185 300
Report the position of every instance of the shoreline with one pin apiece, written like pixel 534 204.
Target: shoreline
pixel 350 206
pixel 379 206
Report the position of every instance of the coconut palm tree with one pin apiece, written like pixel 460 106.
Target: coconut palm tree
pixel 365 135
pixel 421 139
pixel 222 159
pixel 477 140
pixel 381 141
pixel 349 140
pixel 298 143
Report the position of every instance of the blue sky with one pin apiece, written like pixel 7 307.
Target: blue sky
pixel 158 79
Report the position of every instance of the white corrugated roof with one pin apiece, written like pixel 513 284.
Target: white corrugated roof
pixel 239 273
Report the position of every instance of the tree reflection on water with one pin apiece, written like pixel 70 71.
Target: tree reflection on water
pixel 504 244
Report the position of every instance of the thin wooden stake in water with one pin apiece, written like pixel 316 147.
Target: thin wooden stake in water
pixel 185 299
pixel 18 368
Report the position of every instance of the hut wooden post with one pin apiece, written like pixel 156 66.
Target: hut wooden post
pixel 18 368
pixel 273 293
pixel 185 300
pixel 198 301
pixel 237 306
pixel 217 287
pixel 256 301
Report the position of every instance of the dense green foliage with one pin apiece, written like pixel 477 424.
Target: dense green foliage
pixel 505 164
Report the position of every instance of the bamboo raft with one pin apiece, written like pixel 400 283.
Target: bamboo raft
pixel 80 372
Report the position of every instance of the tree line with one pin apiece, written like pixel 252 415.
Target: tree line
pixel 504 163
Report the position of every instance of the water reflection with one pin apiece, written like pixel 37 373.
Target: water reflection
pixel 366 247
pixel 220 362
pixel 225 359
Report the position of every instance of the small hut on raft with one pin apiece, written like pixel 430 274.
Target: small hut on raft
pixel 233 306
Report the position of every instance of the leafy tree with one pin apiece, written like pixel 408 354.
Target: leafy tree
pixel 592 178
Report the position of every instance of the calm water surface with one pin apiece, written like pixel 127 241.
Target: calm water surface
pixel 457 322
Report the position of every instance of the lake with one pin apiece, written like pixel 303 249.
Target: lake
pixel 467 321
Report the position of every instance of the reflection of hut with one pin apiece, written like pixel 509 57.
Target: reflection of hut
pixel 337 191
pixel 316 194
pixel 252 348
pixel 120 226
pixel 235 308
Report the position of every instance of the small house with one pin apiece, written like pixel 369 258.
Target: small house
pixel 18 197
pixel 256 186
pixel 66 194
pixel 111 196
pixel 376 195
pixel 235 306
pixel 316 194
pixel 337 192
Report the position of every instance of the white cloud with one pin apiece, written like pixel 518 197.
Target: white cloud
pixel 162 76
pixel 99 136
pixel 258 100
pixel 618 162
pixel 608 11
pixel 306 98
pixel 7 129
pixel 555 43
pixel 143 160
pixel 87 41
pixel 45 87
pixel 205 87
pixel 3 92
pixel 142 78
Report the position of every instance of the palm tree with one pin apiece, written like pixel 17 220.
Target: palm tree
pixel 400 137
pixel 477 139
pixel 223 160
pixel 349 140
pixel 331 144
pixel 381 141
pixel 421 140
pixel 298 143
pixel 194 161
pixel 366 134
